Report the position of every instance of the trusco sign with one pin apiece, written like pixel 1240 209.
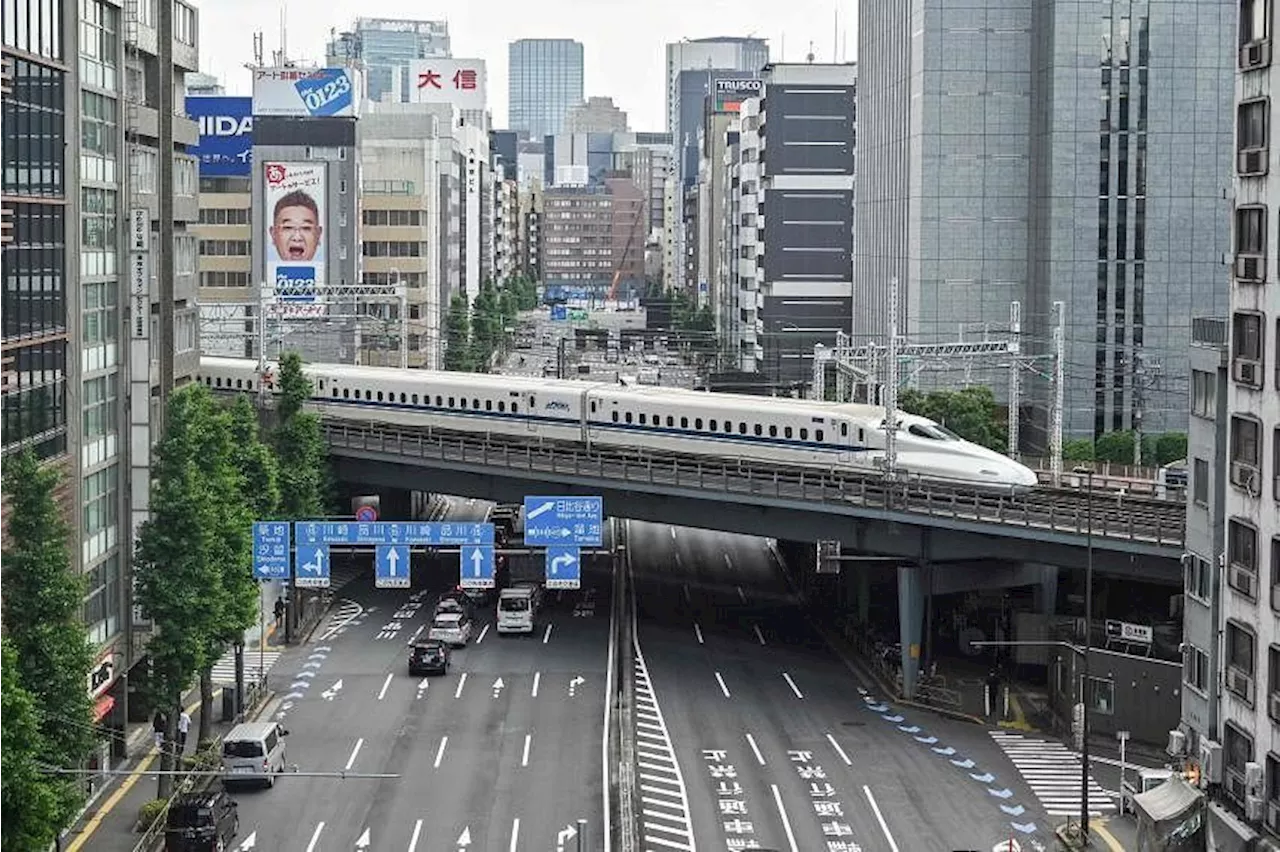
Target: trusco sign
pixel 729 94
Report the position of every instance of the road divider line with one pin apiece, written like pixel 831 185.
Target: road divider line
pixel 315 837
pixel 884 826
pixel 537 678
pixel 351 761
pixel 686 593
pixel 483 631
pixel 742 595
pixel 462 681
pixel 417 831
pixel 673 533
pixel 382 693
pixel 791 683
pixel 728 562
pixel 723 688
pixel 444 741
pixel 697 631
pixel 786 821
pixel 759 635
pixel 528 741
pixel 417 632
pixel 835 745
pixel 546 636
pixel 755 749
pixel 515 835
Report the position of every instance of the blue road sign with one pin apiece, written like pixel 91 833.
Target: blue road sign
pixel 311 566
pixel 391 566
pixel 564 520
pixel 271 550
pixel 391 532
pixel 475 564
pixel 559 312
pixel 564 567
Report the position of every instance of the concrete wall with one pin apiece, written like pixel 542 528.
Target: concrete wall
pixel 1136 694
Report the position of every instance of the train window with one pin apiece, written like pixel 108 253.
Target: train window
pixel 346 393
pixel 322 384
pixel 657 420
pixel 758 430
pixel 861 437
pixel 379 396
pixel 333 392
pixel 615 416
pixel 728 427
pixel 439 401
pixel 502 406
pixel 684 422
pixel 804 434
pixel 786 431
pixel 844 430
pixel 238 384
pixel 817 434
pixel 368 394
pixel 404 398
pixel 773 431
pixel 643 419
pixel 671 421
pixel 697 423
pixel 533 402
pixel 451 402
pixel 714 427
pixel 488 405
pixel 515 408
pixel 593 406
pixel 742 428
pixel 628 417
pixel 475 403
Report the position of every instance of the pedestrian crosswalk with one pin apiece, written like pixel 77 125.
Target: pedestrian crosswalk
pixel 1052 771
pixel 224 671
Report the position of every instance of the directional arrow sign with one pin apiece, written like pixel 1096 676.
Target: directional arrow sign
pixel 250 842
pixel 271 550
pixel 550 521
pixel 909 729
pixel 1013 810
pixel 476 566
pixel 497 687
pixel 1000 794
pixel 391 566
pixel 927 740
pixel 574 683
pixel 311 566
pixel 464 839
pixel 894 719
pixel 985 778
pixel 1028 828
pixel 963 764
pixel 945 752
pixel 363 842
pixel 564 567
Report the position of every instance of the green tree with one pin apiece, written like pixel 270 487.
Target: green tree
pixel 486 328
pixel 1077 450
pixel 256 461
pixel 457 353
pixel 178 570
pixel 31 802
pixel 508 306
pixel 300 449
pixel 1114 447
pixel 970 412
pixel 44 620
pixel 1169 447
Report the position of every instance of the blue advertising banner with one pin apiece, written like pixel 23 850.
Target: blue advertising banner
pixel 226 134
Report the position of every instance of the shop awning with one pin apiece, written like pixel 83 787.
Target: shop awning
pixel 102 707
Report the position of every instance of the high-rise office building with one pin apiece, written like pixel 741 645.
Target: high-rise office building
pixel 595 115
pixel 384 47
pixel 544 80
pixel 977 188
pixel 718 53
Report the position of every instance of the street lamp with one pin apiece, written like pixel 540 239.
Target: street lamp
pixel 1088 642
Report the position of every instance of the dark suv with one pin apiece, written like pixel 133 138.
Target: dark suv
pixel 428 657
pixel 201 822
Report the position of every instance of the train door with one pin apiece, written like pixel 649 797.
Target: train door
pixel 587 404
pixel 531 412
pixel 843 435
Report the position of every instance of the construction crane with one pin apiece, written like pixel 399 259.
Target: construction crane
pixel 626 252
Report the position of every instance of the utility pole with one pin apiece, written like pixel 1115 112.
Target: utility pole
pixel 1055 409
pixel 1015 376
pixel 1139 388
pixel 891 387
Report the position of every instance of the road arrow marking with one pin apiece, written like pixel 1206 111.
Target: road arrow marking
pixel 300 684
pixel 1025 829
pixel 294 695
pixel 317 656
pixel 306 674
pixel 878 708
pixel 985 778
pixel 1000 794
pixel 363 842
pixel 332 692
pixel 324 648
pixel 286 706
pixel 566 834
pixel 909 729
pixel 894 719
pixel 577 681
pixel 311 664
pixel 927 740
pixel 1013 810
pixel 464 839
pixel 250 842
pixel 422 686
pixel 964 764
pixel 497 687
pixel 945 752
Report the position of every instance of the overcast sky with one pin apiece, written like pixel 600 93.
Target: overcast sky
pixel 623 42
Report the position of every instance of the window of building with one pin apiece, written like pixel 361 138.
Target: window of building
pixel 184 24
pixel 98 398
pixel 101 501
pixel 1195 667
pixel 184 331
pixel 1200 481
pixel 1241 659
pixel 33 121
pixel 224 279
pixel 1246 449
pixel 184 254
pixel 224 248
pixel 35 27
pixel 97 125
pixel 98 220
pixel 1242 557
pixel 394 248
pixel 99 43
pixel 1273 682
pixel 145 166
pixel 32 267
pixel 1102 696
pixel 1252 125
pixel 1198 579
pixel 34 410
pixel 102 600
pixel 1255 21
pixel 1275 573
pixel 1246 336
pixel 1237 750
pixel 1251 230
pixel 146 12
pixel 224 216
pixel 100 312
pixel 186 180
pixel 1204 394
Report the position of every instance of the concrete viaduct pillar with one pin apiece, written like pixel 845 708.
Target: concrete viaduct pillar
pixel 911 622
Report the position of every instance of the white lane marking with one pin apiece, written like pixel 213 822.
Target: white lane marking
pixel 413 841
pixel 755 749
pixel 315 837
pixel 417 632
pixel 444 741
pixel 884 826
pixel 697 631
pixel 791 683
pixel 686 592
pixel 667 782
pixel 673 533
pixel 524 758
pixel 723 688
pixel 537 678
pixel 786 821
pixel 759 635
pixel 742 595
pixel 351 761
pixel 382 693
pixel 462 681
pixel 728 562
pixel 515 835
pixel 483 631
pixel 835 745
pixel 546 636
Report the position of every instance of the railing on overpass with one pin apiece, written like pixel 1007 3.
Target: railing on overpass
pixel 1113 516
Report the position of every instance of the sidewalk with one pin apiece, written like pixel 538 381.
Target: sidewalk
pixel 1115 834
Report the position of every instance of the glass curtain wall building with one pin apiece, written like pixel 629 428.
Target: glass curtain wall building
pixel 544 82
pixel 384 47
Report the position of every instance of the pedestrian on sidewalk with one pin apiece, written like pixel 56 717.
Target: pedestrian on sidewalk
pixel 279 613
pixel 184 725
pixel 159 722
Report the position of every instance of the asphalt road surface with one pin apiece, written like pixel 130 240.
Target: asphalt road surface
pixel 503 752
pixel 776 741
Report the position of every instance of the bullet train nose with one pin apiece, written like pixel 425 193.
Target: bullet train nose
pixel 1022 476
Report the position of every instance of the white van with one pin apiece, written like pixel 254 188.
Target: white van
pixel 517 608
pixel 253 753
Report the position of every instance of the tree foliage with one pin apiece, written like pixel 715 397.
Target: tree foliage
pixel 486 328
pixel 1117 448
pixel 457 352
pixel 300 448
pixel 255 460
pixel 31 802
pixel 969 412
pixel 44 621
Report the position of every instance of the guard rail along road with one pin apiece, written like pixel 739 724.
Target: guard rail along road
pixel 1117 518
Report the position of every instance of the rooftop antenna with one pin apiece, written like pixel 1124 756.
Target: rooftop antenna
pixel 257 48
pixel 835 37
pixel 809 56
pixel 782 49
pixel 844 47
pixel 284 34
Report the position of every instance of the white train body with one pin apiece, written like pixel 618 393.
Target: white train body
pixel 724 427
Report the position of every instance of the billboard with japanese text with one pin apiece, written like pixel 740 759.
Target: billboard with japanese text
pixel 728 95
pixel 295 227
pixel 460 82
pixel 226 134
pixel 307 92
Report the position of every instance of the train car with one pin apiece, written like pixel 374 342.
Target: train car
pixel 832 436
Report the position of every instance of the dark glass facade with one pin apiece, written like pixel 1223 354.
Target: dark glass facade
pixel 33 256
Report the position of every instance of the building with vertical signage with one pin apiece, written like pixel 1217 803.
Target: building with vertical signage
pixel 719 54
pixel 1136 156
pixel 385 48
pixel 791 225
pixel 595 115
pixel 460 83
pixel 545 81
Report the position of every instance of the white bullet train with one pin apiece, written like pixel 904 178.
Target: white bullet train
pixel 831 436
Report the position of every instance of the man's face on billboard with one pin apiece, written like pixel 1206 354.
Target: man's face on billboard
pixel 296 233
